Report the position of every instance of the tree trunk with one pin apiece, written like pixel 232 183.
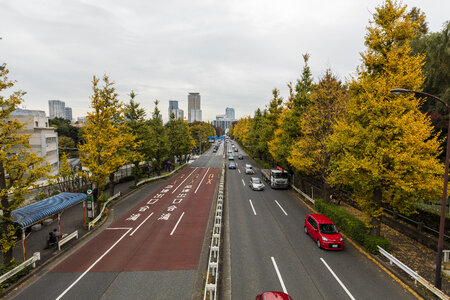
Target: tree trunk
pixel 111 182
pixel 326 192
pixel 136 172
pixel 376 222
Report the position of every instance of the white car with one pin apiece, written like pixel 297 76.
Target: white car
pixel 256 184
pixel 249 169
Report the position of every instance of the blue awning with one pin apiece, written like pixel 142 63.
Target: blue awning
pixel 43 209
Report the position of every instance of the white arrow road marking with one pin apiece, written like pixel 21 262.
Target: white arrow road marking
pixel 281 208
pixel 279 275
pixel 338 280
pixel 173 230
pixel 254 212
pixel 99 259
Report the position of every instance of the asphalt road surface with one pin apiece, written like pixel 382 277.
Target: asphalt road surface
pixel 150 251
pixel 270 251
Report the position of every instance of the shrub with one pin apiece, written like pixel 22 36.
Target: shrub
pixel 4 269
pixel 371 242
pixel 352 226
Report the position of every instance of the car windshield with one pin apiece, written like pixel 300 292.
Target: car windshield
pixel 256 180
pixel 328 229
pixel 281 175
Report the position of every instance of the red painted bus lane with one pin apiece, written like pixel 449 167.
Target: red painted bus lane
pixel 150 245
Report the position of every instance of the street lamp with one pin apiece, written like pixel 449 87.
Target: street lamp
pixel 438 278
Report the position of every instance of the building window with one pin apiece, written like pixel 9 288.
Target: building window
pixel 46 124
pixel 36 124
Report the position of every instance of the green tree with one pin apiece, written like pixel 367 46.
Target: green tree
pixel 180 139
pixel 383 147
pixel 156 144
pixel 19 167
pixel 64 128
pixel 107 138
pixel 66 146
pixel 135 119
pixel 310 154
pixel 288 130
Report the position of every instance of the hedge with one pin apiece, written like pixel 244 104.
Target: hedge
pixel 352 226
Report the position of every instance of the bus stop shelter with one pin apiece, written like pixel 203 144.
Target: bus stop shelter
pixel 39 211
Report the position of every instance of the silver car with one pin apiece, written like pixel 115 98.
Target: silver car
pixel 256 184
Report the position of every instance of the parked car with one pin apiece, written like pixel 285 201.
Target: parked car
pixel 230 157
pixel 256 184
pixel 240 156
pixel 324 232
pixel 273 296
pixel 232 165
pixel 249 169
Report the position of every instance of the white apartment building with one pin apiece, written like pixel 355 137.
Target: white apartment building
pixel 44 139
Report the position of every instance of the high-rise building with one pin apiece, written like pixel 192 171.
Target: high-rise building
pixel 173 108
pixel 194 108
pixel 224 121
pixel 43 139
pixel 229 112
pixel 56 109
pixel 68 113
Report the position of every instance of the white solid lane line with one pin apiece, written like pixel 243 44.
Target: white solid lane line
pixel 201 181
pixel 243 182
pixel 254 212
pixel 239 171
pixel 338 280
pixel 173 230
pixel 281 208
pixel 99 259
pixel 184 180
pixel 279 275
pixel 141 224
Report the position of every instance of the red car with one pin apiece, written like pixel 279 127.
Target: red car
pixel 324 232
pixel 273 296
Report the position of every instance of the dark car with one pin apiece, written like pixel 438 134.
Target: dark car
pixel 240 156
pixel 323 232
pixel 273 296
pixel 232 165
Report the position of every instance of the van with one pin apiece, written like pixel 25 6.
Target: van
pixel 249 169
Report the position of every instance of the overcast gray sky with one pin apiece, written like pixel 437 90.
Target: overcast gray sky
pixel 232 52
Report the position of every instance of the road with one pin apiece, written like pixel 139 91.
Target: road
pixel 151 250
pixel 270 251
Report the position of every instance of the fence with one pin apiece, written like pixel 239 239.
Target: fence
pixel 413 274
pixel 212 275
pixel 32 261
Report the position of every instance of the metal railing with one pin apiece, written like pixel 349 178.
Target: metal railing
pixel 212 275
pixel 31 261
pixel 92 223
pixel 67 238
pixel 413 274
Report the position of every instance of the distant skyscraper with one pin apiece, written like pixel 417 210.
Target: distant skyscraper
pixel 194 108
pixel 68 111
pixel 56 109
pixel 229 112
pixel 173 108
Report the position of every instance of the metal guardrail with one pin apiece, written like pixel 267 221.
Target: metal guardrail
pixel 414 274
pixel 92 223
pixel 303 194
pixel 212 275
pixel 67 238
pixel 31 261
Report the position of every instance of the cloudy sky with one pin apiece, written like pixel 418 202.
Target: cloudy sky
pixel 232 52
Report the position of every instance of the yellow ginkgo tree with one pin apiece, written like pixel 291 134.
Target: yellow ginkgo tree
pixel 108 143
pixel 20 168
pixel 384 148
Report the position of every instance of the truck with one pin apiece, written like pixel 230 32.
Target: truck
pixel 276 178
